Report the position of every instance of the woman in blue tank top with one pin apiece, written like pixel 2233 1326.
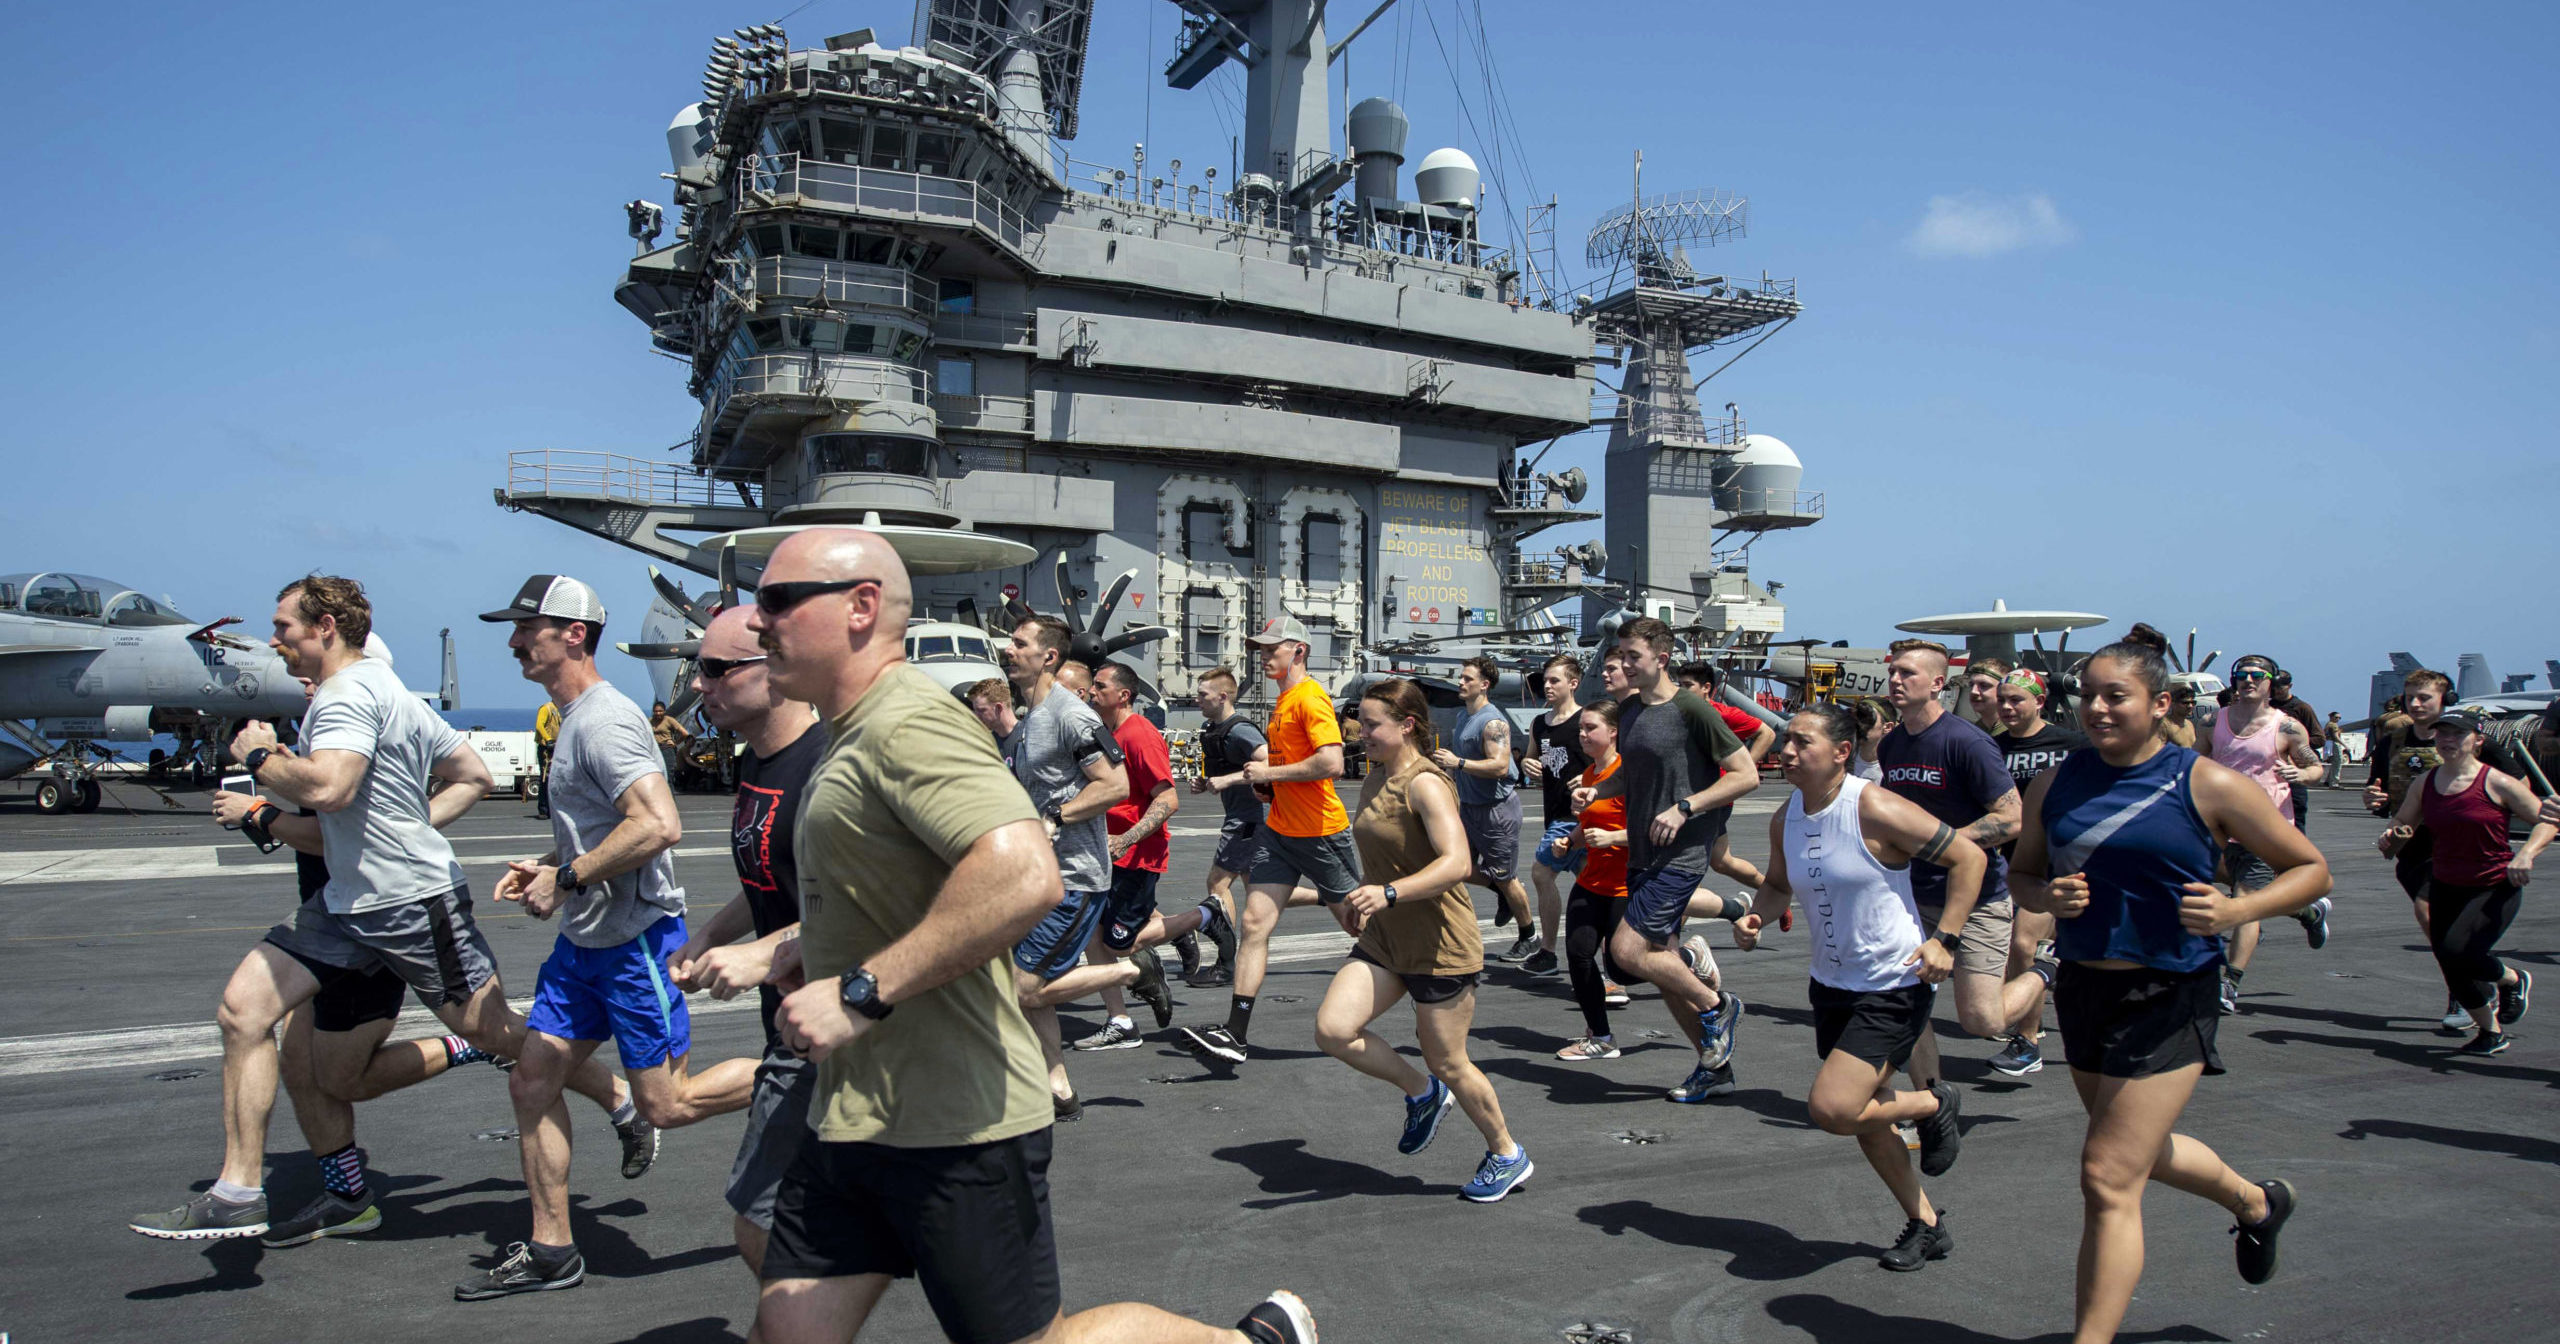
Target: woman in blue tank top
pixel 2119 846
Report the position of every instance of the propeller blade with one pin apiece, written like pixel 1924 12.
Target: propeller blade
pixel 966 613
pixel 684 698
pixel 1132 637
pixel 2208 660
pixel 1111 599
pixel 2191 652
pixel 1016 611
pixel 1067 598
pixel 660 652
pixel 667 588
pixel 728 576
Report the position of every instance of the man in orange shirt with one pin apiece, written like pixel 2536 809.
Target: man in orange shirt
pixel 1306 836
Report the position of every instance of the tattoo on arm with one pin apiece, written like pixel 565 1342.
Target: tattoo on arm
pixel 1935 848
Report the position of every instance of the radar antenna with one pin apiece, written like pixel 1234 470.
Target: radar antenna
pixel 1011 42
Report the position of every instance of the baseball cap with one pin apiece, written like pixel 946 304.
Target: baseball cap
pixel 551 595
pixel 2468 720
pixel 1281 630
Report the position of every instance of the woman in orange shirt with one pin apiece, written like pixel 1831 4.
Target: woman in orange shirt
pixel 1599 896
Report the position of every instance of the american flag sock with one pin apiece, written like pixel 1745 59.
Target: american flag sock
pixel 342 1173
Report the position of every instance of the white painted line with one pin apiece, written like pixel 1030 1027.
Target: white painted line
pixel 166 863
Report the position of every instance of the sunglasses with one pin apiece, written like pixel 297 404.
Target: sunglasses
pixel 716 668
pixel 2251 674
pixel 777 598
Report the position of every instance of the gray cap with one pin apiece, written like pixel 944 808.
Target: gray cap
pixel 2467 720
pixel 551 595
pixel 1280 630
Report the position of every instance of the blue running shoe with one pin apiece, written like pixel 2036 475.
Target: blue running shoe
pixel 1497 1176
pixel 1704 1083
pixel 1422 1117
pixel 1716 1029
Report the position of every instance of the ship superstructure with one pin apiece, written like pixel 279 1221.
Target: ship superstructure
pixel 1299 381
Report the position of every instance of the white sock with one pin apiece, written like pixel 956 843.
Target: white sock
pixel 237 1194
pixel 1123 1021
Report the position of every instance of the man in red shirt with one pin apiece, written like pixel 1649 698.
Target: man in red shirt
pixel 1139 847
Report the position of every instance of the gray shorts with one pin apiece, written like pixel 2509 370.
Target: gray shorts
pixel 1325 862
pixel 1239 844
pixel 1986 935
pixel 777 1124
pixel 2247 871
pixel 433 945
pixel 1493 837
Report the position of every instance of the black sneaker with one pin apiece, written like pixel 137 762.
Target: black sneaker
pixel 1215 1042
pixel 1150 986
pixel 2486 1043
pixel 1521 947
pixel 2256 1242
pixel 207 1217
pixel 639 1151
pixel 1540 962
pixel 1065 1110
pixel 1940 1140
pixel 1211 977
pixel 331 1215
pixel 520 1272
pixel 1279 1319
pixel 1918 1245
pixel 1187 947
pixel 1222 934
pixel 2514 999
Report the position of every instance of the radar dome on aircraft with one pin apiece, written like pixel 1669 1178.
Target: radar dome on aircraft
pixel 1447 177
pixel 688 137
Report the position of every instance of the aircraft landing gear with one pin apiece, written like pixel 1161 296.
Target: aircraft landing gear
pixel 86 795
pixel 56 796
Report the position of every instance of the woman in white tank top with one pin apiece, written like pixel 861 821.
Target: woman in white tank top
pixel 1844 850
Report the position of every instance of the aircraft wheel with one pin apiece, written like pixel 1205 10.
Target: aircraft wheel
pixel 200 774
pixel 53 797
pixel 159 768
pixel 85 798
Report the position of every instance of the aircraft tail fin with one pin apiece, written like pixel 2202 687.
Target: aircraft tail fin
pixel 2473 677
pixel 449 688
pixel 2404 664
pixel 2551 671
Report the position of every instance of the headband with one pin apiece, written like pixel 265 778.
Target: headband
pixel 2027 679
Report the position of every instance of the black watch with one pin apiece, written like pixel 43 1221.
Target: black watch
pixel 1685 809
pixel 1389 890
pixel 566 878
pixel 1953 942
pixel 861 994
pixel 1054 815
pixel 257 757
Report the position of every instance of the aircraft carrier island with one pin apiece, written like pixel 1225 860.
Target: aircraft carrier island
pixel 1300 381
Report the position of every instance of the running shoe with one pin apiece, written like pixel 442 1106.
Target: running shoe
pixel 1501 911
pixel 1215 1042
pixel 1918 1245
pixel 1589 1048
pixel 1940 1140
pixel 1704 1082
pixel 1187 947
pixel 1540 962
pixel 2485 1043
pixel 331 1215
pixel 2514 999
pixel 1211 977
pixel 1497 1176
pixel 639 1151
pixel 1521 948
pixel 1113 1036
pixel 521 1273
pixel 1422 1118
pixel 1221 931
pixel 1150 986
pixel 2456 1017
pixel 2256 1242
pixel 2230 996
pixel 1701 959
pixel 1717 1027
pixel 2315 923
pixel 1613 995
pixel 207 1217
pixel 1065 1110
pixel 1281 1318
pixel 2020 1057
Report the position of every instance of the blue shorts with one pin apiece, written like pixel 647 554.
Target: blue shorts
pixel 1131 904
pixel 618 994
pixel 1657 901
pixel 1057 942
pixel 1572 860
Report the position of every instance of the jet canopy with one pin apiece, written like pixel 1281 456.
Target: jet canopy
pixel 87 598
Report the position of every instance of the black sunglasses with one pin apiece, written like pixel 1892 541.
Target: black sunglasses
pixel 716 668
pixel 777 598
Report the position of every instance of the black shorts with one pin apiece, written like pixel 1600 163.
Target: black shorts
pixel 1879 1026
pixel 969 1224
pixel 2137 1022
pixel 2416 864
pixel 350 999
pixel 1127 908
pixel 1425 988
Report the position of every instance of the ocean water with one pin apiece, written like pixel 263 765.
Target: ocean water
pixel 494 720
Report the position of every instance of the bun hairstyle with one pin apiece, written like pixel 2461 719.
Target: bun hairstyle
pixel 2143 634
pixel 1607 710
pixel 1404 700
pixel 2139 658
pixel 1838 724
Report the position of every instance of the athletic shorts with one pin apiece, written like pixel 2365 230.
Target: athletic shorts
pixel 2247 871
pixel 2416 864
pixel 1986 936
pixel 1493 837
pixel 1128 906
pixel 2136 1022
pixel 1877 1026
pixel 1325 862
pixel 1425 988
pixel 1546 855
pixel 777 1129
pixel 1657 900
pixel 970 1224
pixel 1057 942
pixel 618 994
pixel 433 945
pixel 1239 843
pixel 351 999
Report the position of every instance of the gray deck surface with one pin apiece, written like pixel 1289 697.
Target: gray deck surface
pixel 2430 1183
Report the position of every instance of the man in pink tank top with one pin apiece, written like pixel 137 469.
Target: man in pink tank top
pixel 2271 747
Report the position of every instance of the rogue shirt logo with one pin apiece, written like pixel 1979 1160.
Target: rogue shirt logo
pixel 1924 776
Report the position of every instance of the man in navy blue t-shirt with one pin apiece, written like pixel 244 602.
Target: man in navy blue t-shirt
pixel 1956 774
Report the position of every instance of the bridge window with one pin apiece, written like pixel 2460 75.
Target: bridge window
pixel 1320 549
pixel 840 141
pixel 766 239
pixel 955 377
pixel 871 249
pixel 934 153
pixel 766 333
pixel 888 147
pixel 959 296
pixel 836 454
pixel 813 242
pixel 786 137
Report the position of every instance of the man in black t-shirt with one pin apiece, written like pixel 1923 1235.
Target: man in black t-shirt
pixel 784 742
pixel 1555 763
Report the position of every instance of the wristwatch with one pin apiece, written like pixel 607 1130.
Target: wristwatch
pixel 256 758
pixel 1685 809
pixel 861 994
pixel 1389 890
pixel 1054 815
pixel 1953 942
pixel 567 878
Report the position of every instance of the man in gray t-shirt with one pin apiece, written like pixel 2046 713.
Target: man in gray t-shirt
pixel 381 848
pixel 1052 750
pixel 605 748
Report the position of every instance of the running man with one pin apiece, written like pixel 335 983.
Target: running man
pixel 734 951
pixel 1555 764
pixel 610 879
pixel 1758 738
pixel 2475 877
pixel 1844 848
pixel 1306 838
pixel 1951 769
pixel 2029 746
pixel 1228 743
pixel 2120 844
pixel 992 702
pixel 1488 802
pixel 921 862
pixel 2293 706
pixel 1683 771
pixel 395 900
pixel 1140 846
pixel 2273 750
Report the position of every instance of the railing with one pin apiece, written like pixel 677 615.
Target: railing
pixel 580 474
pixel 992 414
pixel 1664 421
pixel 890 192
pixel 1096 186
pixel 1770 504
pixel 841 282
pixel 1551 570
pixel 838 377
pixel 997 329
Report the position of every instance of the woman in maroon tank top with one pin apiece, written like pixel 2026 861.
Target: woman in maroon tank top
pixel 2478 879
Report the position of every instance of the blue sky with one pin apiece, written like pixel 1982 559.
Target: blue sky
pixel 2238 317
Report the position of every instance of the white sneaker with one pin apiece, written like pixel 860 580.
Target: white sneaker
pixel 1589 1048
pixel 2456 1017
